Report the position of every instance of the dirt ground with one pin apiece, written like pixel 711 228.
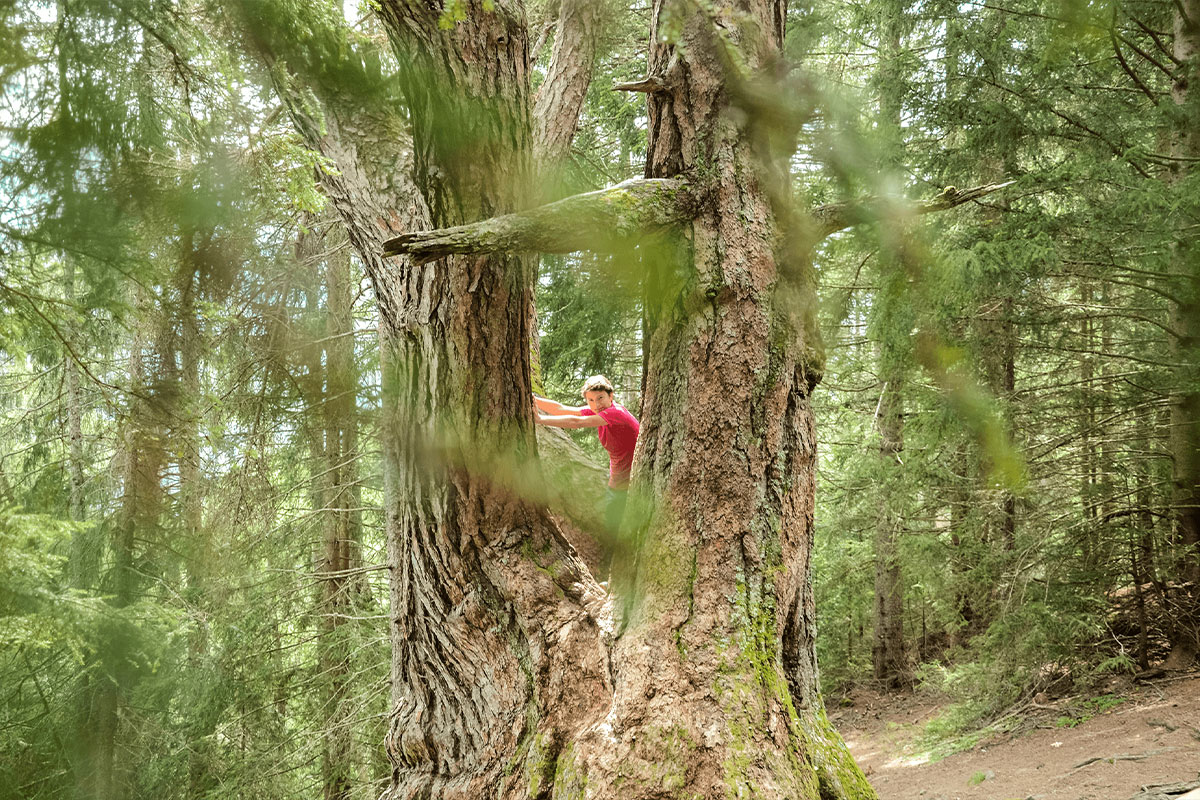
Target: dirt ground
pixel 1151 737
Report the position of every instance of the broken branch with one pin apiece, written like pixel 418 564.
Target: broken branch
pixel 649 85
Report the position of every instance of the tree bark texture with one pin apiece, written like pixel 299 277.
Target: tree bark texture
pixel 498 637
pixel 715 684
pixel 560 98
pixel 1184 322
pixel 711 686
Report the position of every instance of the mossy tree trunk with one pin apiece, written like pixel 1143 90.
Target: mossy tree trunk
pixel 713 685
pixel 719 653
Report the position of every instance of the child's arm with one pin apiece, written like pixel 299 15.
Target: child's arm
pixel 574 421
pixel 551 407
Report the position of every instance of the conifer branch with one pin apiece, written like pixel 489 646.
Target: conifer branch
pixel 597 220
pixel 833 217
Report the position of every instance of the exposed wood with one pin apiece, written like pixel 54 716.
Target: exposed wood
pixel 648 85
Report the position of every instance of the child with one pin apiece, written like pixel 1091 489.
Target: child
pixel 618 432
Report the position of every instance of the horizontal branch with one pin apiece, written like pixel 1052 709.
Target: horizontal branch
pixel 598 220
pixel 834 217
pixel 606 219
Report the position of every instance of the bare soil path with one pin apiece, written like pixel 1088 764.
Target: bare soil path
pixel 1139 736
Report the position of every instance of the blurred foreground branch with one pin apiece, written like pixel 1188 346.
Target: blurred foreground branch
pixel 597 220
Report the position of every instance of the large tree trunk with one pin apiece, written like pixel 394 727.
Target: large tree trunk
pixel 498 652
pixel 716 681
pixel 1185 328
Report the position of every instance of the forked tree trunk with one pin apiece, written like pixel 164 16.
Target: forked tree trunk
pixel 508 680
pixel 507 683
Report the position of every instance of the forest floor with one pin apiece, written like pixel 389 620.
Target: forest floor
pixel 1110 745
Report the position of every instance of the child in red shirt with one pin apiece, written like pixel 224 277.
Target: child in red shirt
pixel 616 427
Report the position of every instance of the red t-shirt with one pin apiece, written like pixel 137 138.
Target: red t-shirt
pixel 619 437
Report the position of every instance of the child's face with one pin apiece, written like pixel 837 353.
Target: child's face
pixel 598 400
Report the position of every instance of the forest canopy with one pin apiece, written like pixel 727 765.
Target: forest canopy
pixel 906 297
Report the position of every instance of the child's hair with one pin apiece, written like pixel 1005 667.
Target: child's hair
pixel 596 383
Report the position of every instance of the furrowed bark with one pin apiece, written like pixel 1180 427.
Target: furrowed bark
pixel 499 650
pixel 603 220
pixel 560 99
pixel 497 647
pixel 715 690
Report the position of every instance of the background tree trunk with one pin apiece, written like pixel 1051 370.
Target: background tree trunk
pixel 1184 323
pixel 892 322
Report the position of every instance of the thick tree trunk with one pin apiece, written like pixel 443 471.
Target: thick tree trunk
pixel 715 679
pixel 1184 323
pixel 498 645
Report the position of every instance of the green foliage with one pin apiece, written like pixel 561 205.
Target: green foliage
pixel 166 361
pixel 1035 477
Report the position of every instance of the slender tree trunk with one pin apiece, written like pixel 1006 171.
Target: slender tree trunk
pixel 182 369
pixel 1184 322
pixel 560 99
pixel 888 658
pixel 1087 479
pixel 892 324
pixel 340 526
pixel 74 408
